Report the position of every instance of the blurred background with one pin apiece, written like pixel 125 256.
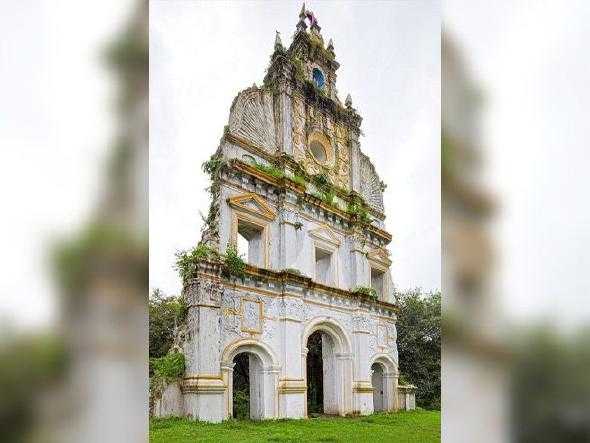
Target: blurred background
pixel 515 221
pixel 73 132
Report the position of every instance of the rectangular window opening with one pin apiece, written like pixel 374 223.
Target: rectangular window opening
pixel 250 244
pixel 377 279
pixel 323 266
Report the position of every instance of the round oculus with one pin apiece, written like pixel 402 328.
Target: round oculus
pixel 318 151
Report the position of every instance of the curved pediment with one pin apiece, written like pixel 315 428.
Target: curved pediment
pixel 251 118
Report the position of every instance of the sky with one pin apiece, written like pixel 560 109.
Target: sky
pixel 56 129
pixel 527 60
pixel 203 53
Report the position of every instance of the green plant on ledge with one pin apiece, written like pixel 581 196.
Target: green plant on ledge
pixel 298 179
pixel 271 170
pixel 234 264
pixel 292 271
pixel 298 225
pixel 355 209
pixel 213 166
pixel 321 181
pixel 366 291
pixel 186 261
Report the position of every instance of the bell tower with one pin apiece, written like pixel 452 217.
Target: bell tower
pixel 294 198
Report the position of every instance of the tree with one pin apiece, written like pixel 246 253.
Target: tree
pixel 419 344
pixel 165 314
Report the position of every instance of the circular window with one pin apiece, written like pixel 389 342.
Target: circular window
pixel 318 151
pixel 318 78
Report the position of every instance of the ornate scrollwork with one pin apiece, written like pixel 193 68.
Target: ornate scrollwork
pixel 251 117
pixel 310 125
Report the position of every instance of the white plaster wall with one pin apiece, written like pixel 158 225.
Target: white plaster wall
pixel 171 403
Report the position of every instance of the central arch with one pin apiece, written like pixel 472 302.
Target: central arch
pixel 336 365
pixel 263 371
pixel 384 380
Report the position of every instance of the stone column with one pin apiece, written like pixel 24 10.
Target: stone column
pixel 292 387
pixel 363 387
pixel 359 264
pixel 288 241
pixel 390 390
pixel 203 386
pixel 283 119
pixel 344 373
pixel 355 161
pixel 227 375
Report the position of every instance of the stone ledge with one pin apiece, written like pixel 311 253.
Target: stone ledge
pixel 213 269
pixel 286 183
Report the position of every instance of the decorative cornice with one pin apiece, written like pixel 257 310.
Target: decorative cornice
pixel 285 183
pixel 208 268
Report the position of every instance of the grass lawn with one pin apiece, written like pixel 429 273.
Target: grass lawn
pixel 416 426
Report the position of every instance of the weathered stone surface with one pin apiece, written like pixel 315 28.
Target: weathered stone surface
pixel 307 254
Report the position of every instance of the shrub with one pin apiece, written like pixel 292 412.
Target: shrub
pixel 321 180
pixel 213 166
pixel 356 210
pixel 170 366
pixel 186 261
pixel 365 291
pixel 242 404
pixel 166 370
pixel 165 314
pixel 292 271
pixel 234 264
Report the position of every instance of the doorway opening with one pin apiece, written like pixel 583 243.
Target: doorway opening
pixel 323 385
pixel 315 375
pixel 247 387
pixel 377 382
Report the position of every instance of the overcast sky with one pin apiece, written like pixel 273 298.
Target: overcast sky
pixel 202 54
pixel 530 61
pixel 56 131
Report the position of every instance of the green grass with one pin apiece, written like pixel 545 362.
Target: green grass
pixel 417 426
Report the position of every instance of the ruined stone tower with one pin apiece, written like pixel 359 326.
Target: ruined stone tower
pixel 294 194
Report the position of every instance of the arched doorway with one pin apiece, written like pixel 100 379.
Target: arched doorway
pixel 328 368
pixel 251 374
pixel 384 380
pixel 247 387
pixel 377 382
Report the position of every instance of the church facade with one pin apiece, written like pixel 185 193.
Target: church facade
pixel 295 196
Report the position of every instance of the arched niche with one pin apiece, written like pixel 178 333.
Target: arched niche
pixel 384 377
pixel 263 372
pixel 337 365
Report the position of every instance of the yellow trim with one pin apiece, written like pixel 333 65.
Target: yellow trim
pixel 260 313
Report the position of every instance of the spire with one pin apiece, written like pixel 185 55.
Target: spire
pixel 330 47
pixel 348 102
pixel 278 42
pixel 301 25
